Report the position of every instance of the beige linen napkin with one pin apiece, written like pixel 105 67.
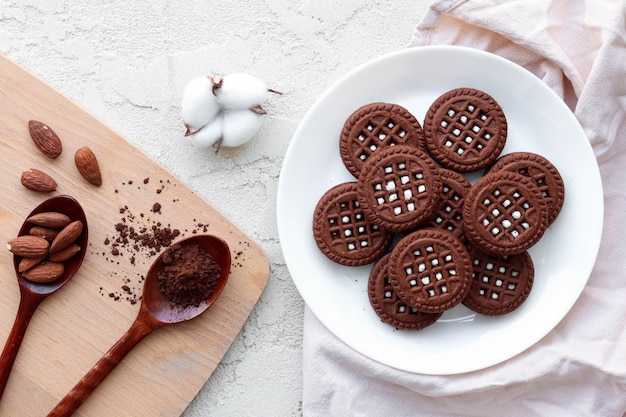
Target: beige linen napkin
pixel 578 48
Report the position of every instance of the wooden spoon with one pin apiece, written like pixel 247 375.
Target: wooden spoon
pixel 155 312
pixel 31 293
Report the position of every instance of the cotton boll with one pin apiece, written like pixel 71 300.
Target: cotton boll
pixel 208 135
pixel 238 127
pixel 199 106
pixel 241 91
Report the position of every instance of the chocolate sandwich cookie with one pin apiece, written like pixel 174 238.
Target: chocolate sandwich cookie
pixel 504 213
pixel 343 233
pixel 376 126
pixel 449 215
pixel 389 307
pixel 431 270
pixel 500 284
pixel 465 130
pixel 399 188
pixel 542 171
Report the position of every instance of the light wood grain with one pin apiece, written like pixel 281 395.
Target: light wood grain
pixel 73 328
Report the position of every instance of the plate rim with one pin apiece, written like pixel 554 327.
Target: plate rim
pixel 595 235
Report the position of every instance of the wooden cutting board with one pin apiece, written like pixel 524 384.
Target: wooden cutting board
pixel 73 328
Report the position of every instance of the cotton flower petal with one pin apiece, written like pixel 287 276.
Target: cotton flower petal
pixel 199 105
pixel 239 126
pixel 208 135
pixel 240 91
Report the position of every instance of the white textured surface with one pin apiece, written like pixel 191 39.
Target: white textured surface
pixel 127 62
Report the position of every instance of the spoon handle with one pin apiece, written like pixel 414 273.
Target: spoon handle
pixel 26 309
pixel 73 399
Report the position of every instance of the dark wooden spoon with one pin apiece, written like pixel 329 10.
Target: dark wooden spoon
pixel 31 293
pixel 155 312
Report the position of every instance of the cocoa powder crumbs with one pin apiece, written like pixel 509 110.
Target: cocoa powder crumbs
pixel 138 239
pixel 188 275
pixel 141 238
pixel 239 255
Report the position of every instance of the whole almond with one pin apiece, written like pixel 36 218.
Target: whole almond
pixel 27 263
pixel 44 272
pixel 65 254
pixel 50 219
pixel 45 139
pixel 66 236
pixel 46 232
pixel 28 246
pixel 39 181
pixel 87 165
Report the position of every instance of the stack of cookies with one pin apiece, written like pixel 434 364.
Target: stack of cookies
pixel 435 239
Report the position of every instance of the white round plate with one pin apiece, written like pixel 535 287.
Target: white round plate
pixel 538 120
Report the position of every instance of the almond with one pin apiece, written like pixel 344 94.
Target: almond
pixel 46 232
pixel 67 236
pixel 87 165
pixel 50 219
pixel 65 254
pixel 28 246
pixel 44 272
pixel 45 139
pixel 39 181
pixel 27 263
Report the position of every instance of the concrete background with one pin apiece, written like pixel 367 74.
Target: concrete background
pixel 128 61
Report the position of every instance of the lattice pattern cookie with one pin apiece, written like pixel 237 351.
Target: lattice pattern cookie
pixel 376 126
pixel 343 233
pixel 465 130
pixel 449 215
pixel 430 270
pixel 389 307
pixel 500 284
pixel 540 170
pixel 504 213
pixel 399 188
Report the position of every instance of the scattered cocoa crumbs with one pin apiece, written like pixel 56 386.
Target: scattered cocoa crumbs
pixel 239 255
pixel 162 186
pixel 138 239
pixel 129 291
pixel 142 238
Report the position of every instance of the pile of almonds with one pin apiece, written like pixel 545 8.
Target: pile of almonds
pixel 51 240
pixel 49 143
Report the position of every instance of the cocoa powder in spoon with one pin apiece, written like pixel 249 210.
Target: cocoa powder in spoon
pixel 188 275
